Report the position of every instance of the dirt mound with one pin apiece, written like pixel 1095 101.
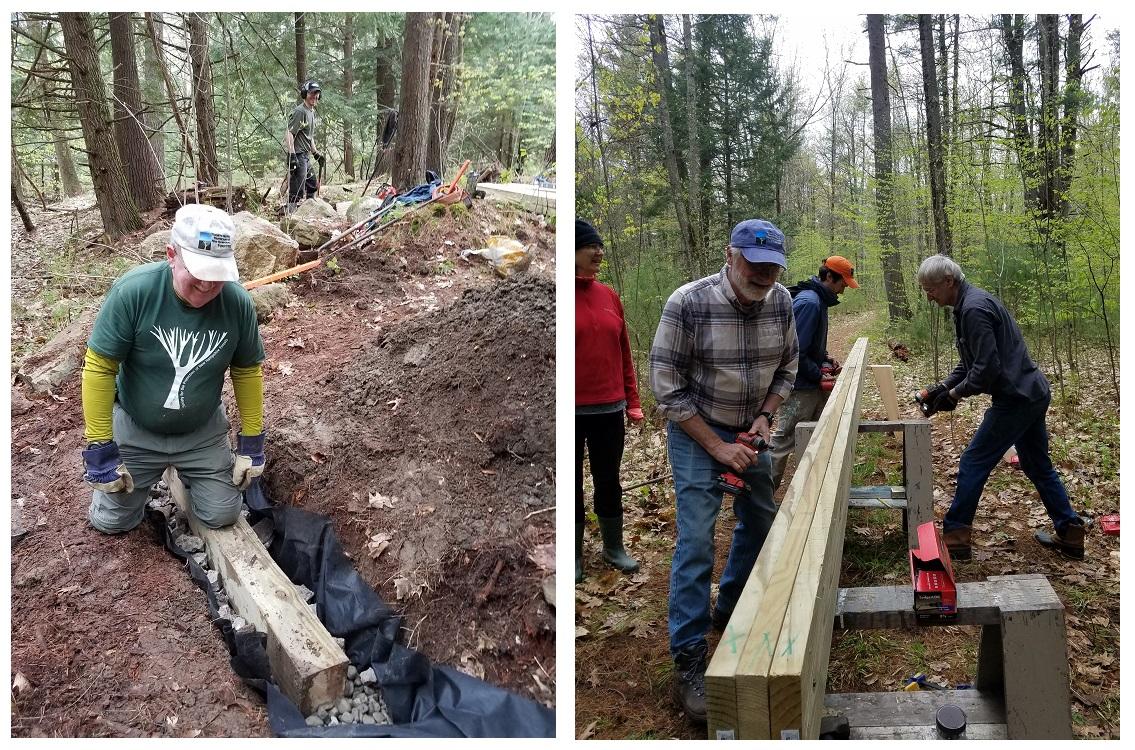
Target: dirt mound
pixel 475 380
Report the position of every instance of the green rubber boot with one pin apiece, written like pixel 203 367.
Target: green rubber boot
pixel 613 552
pixel 579 553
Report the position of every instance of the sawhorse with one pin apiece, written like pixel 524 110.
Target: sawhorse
pixel 916 495
pixel 1021 687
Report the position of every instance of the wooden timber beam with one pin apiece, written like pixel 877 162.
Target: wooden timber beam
pixel 307 664
pixel 737 678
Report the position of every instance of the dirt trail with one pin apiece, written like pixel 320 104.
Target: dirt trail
pixel 155 666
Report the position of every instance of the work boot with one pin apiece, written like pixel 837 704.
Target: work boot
pixel 612 531
pixel 1070 543
pixel 958 542
pixel 579 553
pixel 689 681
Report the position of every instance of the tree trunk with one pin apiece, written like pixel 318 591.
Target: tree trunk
pixel 661 59
pixel 207 171
pixel 152 88
pixel 68 175
pixel 1073 101
pixel 444 59
pixel 156 43
pixel 143 177
pixel 348 93
pixel 1013 36
pixel 386 94
pixel 116 208
pixel 301 50
pixel 934 140
pixel 413 122
pixel 693 147
pixel 22 209
pixel 897 306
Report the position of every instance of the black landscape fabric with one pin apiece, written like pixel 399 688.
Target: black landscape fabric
pixel 424 699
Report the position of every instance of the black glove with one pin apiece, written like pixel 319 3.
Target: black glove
pixel 934 391
pixel 293 162
pixel 321 159
pixel 945 402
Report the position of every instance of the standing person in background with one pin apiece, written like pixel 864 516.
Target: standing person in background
pixel 813 385
pixel 605 388
pixel 299 139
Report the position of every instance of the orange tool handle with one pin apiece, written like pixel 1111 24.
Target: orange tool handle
pixel 460 172
pixel 282 274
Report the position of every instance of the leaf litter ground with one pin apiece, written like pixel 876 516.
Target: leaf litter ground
pixel 623 668
pixel 394 404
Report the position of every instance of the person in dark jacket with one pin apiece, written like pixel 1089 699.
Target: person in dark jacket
pixel 995 360
pixel 809 394
pixel 605 388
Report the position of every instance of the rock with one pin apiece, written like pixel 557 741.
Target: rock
pixel 189 543
pixel 214 578
pixel 201 559
pixel 314 721
pixel 343 705
pixel 352 671
pixel 313 223
pixel 304 592
pixel 367 676
pixel 348 717
pixel 261 248
pixel 340 642
pixel 368 719
pixel 269 298
pixel 416 354
pixel 332 721
pixel 51 364
pixel 21 404
pixel 225 612
pixel 154 246
pixel 549 587
pixel 239 623
pixel 361 208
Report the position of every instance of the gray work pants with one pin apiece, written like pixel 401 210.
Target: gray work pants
pixel 202 458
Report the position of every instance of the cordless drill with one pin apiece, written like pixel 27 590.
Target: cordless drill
pixel 729 482
pixel 922 398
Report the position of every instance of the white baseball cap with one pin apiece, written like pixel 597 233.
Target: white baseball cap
pixel 205 236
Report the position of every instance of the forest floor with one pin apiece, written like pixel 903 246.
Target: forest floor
pixel 394 404
pixel 623 668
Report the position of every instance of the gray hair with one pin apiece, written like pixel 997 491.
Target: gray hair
pixel 936 268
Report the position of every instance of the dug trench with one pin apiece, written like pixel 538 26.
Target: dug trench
pixel 409 396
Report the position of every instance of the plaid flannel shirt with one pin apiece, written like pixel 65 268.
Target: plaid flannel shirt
pixel 717 358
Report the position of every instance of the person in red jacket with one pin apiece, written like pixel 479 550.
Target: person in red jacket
pixel 605 387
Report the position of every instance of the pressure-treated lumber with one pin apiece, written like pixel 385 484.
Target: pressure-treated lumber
pixel 744 711
pixel 798 672
pixel 307 664
pixel 885 380
pixel 893 716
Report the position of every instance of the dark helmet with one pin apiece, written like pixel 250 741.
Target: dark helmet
pixel 308 87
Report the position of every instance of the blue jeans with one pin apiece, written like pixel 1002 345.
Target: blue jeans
pixel 1020 424
pixel 699 501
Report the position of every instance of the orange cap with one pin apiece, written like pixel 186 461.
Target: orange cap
pixel 843 267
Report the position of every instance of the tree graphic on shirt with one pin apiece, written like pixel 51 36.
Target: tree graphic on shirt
pixel 187 351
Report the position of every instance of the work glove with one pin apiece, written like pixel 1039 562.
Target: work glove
pixel 945 402
pixel 933 392
pixel 321 159
pixel 104 468
pixel 248 460
pixel 293 162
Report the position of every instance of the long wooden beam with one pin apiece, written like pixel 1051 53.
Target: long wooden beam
pixel 798 672
pixel 737 678
pixel 308 665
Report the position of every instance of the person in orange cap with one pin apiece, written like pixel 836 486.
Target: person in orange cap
pixel 810 308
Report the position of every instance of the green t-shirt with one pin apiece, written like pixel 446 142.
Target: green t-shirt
pixel 173 357
pixel 302 125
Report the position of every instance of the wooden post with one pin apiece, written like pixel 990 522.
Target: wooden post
pixel 885 380
pixel 306 662
pixel 918 477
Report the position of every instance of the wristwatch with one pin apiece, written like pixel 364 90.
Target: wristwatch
pixel 767 415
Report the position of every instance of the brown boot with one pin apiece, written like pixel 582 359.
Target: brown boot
pixel 958 542
pixel 1070 543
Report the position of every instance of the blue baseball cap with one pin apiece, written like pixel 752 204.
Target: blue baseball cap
pixel 759 241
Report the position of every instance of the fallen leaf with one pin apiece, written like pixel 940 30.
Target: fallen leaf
pixel 296 343
pixel 20 684
pixel 588 731
pixel 285 368
pixel 581 632
pixel 378 544
pixel 378 500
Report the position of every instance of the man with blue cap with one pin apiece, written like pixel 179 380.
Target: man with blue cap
pixel 724 359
